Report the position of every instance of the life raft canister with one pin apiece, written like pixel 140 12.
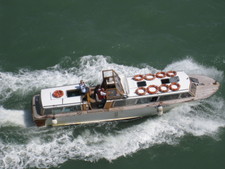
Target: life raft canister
pixel 58 93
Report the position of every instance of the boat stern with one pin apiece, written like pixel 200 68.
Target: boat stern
pixel 36 111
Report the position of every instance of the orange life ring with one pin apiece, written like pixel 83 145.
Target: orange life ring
pixel 171 73
pixel 177 86
pixel 152 86
pixel 160 75
pixel 163 88
pixel 58 93
pixel 138 77
pixel 140 91
pixel 149 76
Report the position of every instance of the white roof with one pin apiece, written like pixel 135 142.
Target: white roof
pixel 184 82
pixel 130 86
pixel 49 101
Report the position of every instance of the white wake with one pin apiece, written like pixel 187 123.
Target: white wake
pixel 48 147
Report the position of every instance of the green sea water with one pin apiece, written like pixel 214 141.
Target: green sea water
pixel 45 43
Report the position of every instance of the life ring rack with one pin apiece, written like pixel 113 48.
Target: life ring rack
pixel 164 88
pixel 140 91
pixel 58 93
pixel 138 77
pixel 160 74
pixel 149 76
pixel 171 73
pixel 174 86
pixel 152 86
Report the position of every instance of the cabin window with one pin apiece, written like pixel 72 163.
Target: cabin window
pixel 154 99
pixel 48 111
pixel 185 95
pixel 77 108
pixel 72 109
pixel 147 100
pixel 143 100
pixel 63 110
pixel 169 97
pixel 131 102
pixel 120 103
pixel 125 102
pixel 57 110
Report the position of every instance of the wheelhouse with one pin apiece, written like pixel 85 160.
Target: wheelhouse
pixel 112 84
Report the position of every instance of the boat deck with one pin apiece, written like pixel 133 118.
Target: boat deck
pixel 206 87
pixel 79 109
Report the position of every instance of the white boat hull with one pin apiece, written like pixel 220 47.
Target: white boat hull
pixel 202 90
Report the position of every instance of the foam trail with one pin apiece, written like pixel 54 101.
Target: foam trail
pixel 92 66
pixel 8 116
pixel 26 81
pixel 50 147
pixel 15 117
pixel 192 67
pixel 92 145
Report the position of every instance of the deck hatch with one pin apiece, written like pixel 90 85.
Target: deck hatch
pixel 174 79
pixel 73 93
pixel 170 80
pixel 141 84
pixel 165 81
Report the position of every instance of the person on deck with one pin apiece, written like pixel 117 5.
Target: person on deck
pixel 83 87
pixel 101 96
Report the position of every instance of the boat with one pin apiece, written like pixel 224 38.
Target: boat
pixel 127 98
